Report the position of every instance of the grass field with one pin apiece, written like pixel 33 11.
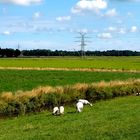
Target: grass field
pixel 126 63
pixel 13 80
pixel 116 119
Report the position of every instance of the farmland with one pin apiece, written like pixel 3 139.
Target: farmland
pixel 124 63
pixel 116 118
pixel 112 119
pixel 13 80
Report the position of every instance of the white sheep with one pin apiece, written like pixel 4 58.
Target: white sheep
pixel 61 109
pixel 79 106
pixel 85 102
pixel 55 110
pixel 58 110
pixel 81 103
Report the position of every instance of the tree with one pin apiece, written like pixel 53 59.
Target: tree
pixel 17 53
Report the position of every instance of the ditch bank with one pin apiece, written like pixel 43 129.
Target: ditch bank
pixel 45 98
pixel 71 69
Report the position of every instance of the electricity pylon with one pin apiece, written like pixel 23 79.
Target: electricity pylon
pixel 18 46
pixel 82 41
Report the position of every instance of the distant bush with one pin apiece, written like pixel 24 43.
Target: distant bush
pixel 47 97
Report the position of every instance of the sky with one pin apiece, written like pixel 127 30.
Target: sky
pixel 57 24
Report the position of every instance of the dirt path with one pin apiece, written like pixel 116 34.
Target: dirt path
pixel 71 69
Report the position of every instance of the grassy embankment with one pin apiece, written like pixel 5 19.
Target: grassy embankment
pixel 47 97
pixel 107 120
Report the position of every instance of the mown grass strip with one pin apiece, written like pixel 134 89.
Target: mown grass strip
pixel 116 119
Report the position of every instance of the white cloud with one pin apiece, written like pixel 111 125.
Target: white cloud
pixel 130 14
pixel 128 0
pixel 84 30
pixel 19 25
pixel 6 33
pixel 21 2
pixel 105 35
pixel 122 31
pixel 134 29
pixel 36 15
pixel 63 18
pixel 111 13
pixel 112 29
pixel 89 5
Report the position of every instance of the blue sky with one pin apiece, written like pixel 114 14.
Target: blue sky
pixel 54 24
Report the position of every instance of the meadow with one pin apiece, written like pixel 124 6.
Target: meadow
pixel 123 63
pixel 13 80
pixel 116 119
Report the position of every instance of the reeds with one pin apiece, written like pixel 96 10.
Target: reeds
pixel 42 98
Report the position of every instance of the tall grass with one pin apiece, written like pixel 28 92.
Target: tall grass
pixel 39 99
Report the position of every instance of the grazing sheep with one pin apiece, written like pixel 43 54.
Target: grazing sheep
pixel 85 102
pixel 58 110
pixel 61 109
pixel 79 106
pixel 55 111
pixel 137 94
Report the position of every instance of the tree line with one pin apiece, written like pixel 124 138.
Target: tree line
pixel 44 52
pixel 9 52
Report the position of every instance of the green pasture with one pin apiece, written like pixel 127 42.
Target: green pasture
pixel 125 63
pixel 13 80
pixel 116 119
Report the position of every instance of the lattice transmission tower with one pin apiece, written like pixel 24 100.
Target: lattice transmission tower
pixel 83 43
